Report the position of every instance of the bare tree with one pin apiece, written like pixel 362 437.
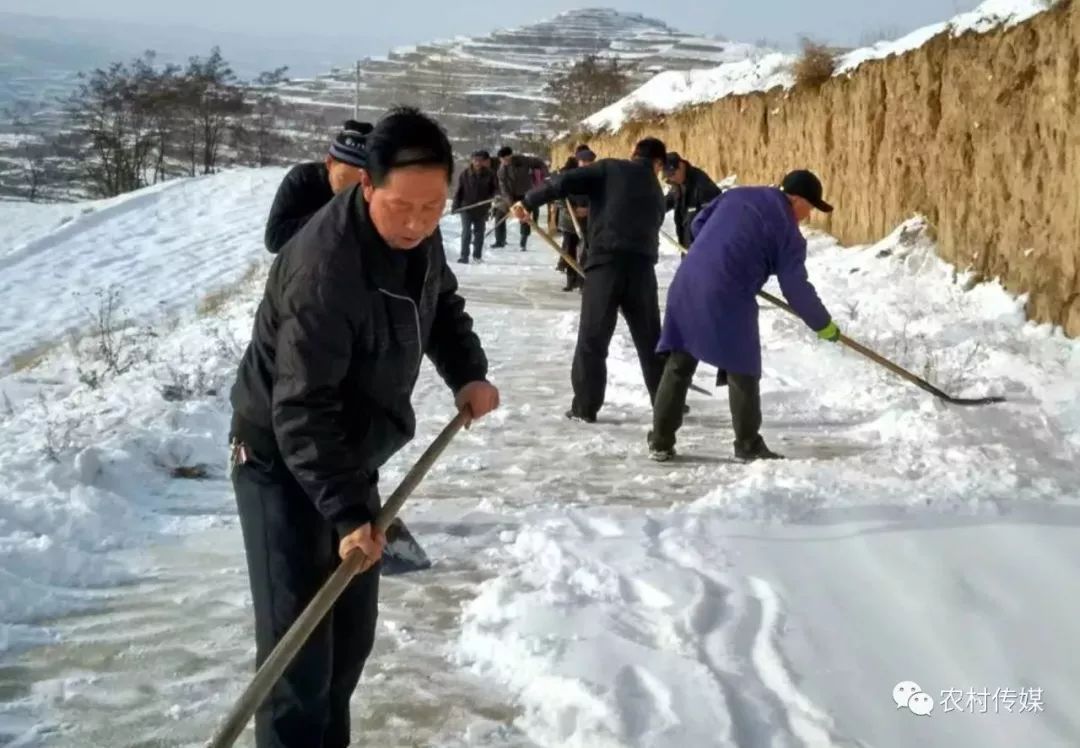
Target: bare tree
pixel 211 96
pixel 31 151
pixel 258 133
pixel 587 85
pixel 105 110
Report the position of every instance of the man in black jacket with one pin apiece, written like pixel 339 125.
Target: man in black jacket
pixel 322 399
pixel 307 187
pixel 691 190
pixel 517 175
pixel 626 210
pixel 475 185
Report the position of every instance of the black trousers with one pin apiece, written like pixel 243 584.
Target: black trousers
pixel 744 399
pixel 291 551
pixel 472 232
pixel 500 229
pixel 570 244
pixel 626 285
pixel 526 227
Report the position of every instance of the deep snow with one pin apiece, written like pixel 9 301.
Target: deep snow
pixel 582 595
pixel 764 69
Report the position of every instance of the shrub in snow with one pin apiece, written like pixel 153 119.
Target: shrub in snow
pixel 814 66
pixel 112 345
pixel 176 460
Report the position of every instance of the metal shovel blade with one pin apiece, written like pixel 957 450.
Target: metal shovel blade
pixel 402 553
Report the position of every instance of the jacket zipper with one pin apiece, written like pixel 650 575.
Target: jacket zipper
pixel 416 316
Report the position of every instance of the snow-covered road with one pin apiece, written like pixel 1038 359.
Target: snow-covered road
pixel 582 595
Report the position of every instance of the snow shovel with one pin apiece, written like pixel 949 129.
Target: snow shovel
pixel 577 268
pixel 402 554
pixel 355 563
pixel 894 368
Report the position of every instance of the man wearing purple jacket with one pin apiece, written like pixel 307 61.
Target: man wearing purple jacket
pixel 741 238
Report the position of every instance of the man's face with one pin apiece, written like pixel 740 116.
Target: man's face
pixel 802 208
pixel 342 175
pixel 407 207
pixel 477 164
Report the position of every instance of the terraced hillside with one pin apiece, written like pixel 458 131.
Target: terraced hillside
pixel 487 90
pixel 490 88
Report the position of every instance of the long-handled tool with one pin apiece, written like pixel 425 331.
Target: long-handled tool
pixel 574 219
pixel 577 268
pixel 555 245
pixel 355 563
pixel 498 223
pixel 464 208
pixel 876 357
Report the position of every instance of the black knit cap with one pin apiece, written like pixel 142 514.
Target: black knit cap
pixel 585 153
pixel 672 162
pixel 349 145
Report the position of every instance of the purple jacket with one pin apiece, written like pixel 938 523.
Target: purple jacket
pixel 741 238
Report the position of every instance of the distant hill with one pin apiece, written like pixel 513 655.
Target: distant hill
pixel 489 88
pixel 486 90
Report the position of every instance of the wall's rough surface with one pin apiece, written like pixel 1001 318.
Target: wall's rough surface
pixel 979 133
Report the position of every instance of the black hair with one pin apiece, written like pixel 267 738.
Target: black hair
pixel 407 137
pixel 505 151
pixel 364 128
pixel 581 147
pixel 481 154
pixel 571 163
pixel 650 148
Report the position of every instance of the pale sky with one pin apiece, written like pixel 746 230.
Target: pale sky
pixel 380 25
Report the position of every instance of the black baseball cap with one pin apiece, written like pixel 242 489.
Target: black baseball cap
pixel 671 164
pixel 805 184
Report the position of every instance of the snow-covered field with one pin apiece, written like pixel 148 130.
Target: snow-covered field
pixel 582 595
pixel 764 69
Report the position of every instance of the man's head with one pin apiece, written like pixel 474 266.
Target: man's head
pixel 346 156
pixel 675 169
pixel 652 149
pixel 584 155
pixel 480 159
pixel 504 154
pixel 804 192
pixel 407 176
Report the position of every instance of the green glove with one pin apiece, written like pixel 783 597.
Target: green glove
pixel 830 332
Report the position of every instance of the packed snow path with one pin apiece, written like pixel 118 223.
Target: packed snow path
pixel 582 595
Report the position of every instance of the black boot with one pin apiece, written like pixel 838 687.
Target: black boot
pixel 755 450
pixel 744 397
pixel 669 404
pixel 576 417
